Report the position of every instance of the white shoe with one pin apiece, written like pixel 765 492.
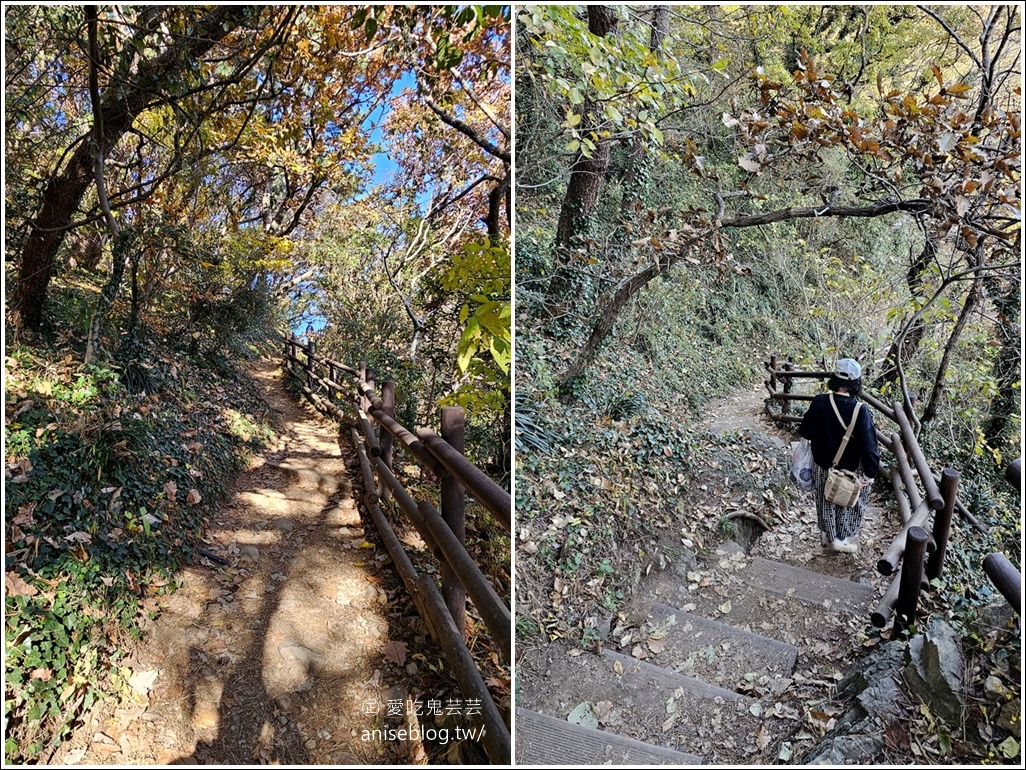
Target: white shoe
pixel 845 546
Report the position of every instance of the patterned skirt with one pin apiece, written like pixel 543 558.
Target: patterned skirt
pixel 835 522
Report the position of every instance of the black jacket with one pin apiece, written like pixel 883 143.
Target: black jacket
pixel 825 432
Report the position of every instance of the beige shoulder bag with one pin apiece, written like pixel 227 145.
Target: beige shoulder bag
pixel 842 487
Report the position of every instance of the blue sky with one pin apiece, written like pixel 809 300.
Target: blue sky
pixel 384 166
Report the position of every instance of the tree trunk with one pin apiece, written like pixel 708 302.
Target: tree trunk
pixel 586 174
pixel 1004 406
pixel 64 191
pixel 942 370
pixel 637 161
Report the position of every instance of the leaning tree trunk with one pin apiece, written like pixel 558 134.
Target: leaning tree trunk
pixel 971 300
pixel 64 191
pixel 612 306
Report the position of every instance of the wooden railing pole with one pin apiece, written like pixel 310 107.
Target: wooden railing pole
pixel 785 408
pixel 1005 578
pixel 917 457
pixel 385 439
pixel 905 469
pixel 773 373
pixel 1013 473
pixel 363 401
pixel 453 504
pixel 911 580
pixel 311 351
pixel 942 523
pixel 369 379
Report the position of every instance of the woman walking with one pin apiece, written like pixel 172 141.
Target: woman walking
pixel 825 425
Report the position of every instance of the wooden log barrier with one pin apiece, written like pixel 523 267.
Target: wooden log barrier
pixel 453 500
pixel 933 495
pixel 496 739
pixel 942 523
pixel 904 510
pixel 1013 473
pixel 888 563
pixel 1005 578
pixel 385 438
pixel 905 470
pixel 911 580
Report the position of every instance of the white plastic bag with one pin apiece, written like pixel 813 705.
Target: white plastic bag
pixel 801 465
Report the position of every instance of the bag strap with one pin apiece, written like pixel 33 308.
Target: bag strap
pixel 847 428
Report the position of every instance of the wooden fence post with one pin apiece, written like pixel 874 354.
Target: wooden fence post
pixel 369 378
pixel 942 522
pixel 453 504
pixel 311 351
pixel 362 400
pixel 385 440
pixel 786 406
pixel 773 369
pixel 911 580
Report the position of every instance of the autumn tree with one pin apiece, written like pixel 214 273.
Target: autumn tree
pixel 154 64
pixel 907 149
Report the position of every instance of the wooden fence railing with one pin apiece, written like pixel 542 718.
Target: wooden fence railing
pixel 373 429
pixel 923 551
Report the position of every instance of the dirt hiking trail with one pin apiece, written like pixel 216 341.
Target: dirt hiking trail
pixel 276 656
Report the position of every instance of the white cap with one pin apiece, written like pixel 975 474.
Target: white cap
pixel 848 369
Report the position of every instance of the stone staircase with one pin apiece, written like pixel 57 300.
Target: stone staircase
pixel 699 677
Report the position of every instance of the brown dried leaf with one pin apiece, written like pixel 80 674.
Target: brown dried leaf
pixel 193 497
pixel 762 737
pixel 24 516
pixel 16 586
pixel 394 651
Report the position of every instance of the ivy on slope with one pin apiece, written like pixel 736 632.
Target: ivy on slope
pixel 106 493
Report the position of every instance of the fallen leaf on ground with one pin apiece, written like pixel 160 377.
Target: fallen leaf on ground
pixel 584 715
pixel 394 651
pixel 16 586
pixel 142 681
pixel 762 737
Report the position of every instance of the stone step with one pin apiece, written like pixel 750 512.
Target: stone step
pixel 545 740
pixel 716 652
pixel 638 700
pixel 809 587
